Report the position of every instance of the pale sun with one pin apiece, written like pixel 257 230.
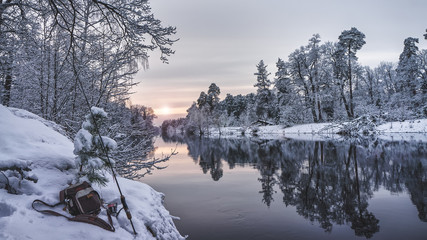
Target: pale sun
pixel 165 111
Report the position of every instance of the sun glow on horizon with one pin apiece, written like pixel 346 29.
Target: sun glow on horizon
pixel 164 111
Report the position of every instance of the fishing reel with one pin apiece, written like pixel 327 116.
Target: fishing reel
pixel 112 209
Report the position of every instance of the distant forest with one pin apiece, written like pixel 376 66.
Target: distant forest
pixel 320 82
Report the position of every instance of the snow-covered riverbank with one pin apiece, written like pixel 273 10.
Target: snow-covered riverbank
pixel 406 130
pixel 28 142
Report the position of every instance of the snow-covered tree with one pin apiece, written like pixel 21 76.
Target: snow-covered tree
pixel 213 96
pixel 313 72
pixel 350 41
pixel 387 75
pixel 285 93
pixel 423 82
pixel 206 112
pixel 265 98
pixel 16 31
pixel 202 100
pixel 235 106
pixel 197 121
pixel 263 82
pixel 407 69
pixel 92 149
pixel 282 83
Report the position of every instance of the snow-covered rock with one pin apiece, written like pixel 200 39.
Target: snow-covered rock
pixel 26 142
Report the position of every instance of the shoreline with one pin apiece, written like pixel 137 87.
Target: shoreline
pixel 409 130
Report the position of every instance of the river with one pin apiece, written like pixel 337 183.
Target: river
pixel 289 189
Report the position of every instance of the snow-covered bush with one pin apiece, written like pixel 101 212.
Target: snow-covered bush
pixel 91 149
pixel 362 126
pixel 15 177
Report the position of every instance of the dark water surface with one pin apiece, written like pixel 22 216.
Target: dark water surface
pixel 288 189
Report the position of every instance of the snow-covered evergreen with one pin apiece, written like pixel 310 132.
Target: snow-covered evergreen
pixel 92 149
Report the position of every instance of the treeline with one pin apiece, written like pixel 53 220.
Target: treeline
pixel 59 58
pixel 319 82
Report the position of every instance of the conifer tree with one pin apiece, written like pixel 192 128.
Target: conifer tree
pixel 213 95
pixel 350 41
pixel 407 68
pixel 91 150
pixel 264 94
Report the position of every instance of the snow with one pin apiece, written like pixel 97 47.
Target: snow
pixel 109 143
pixel 95 163
pixel 98 111
pixel 95 113
pixel 408 126
pixel 83 141
pixel 410 130
pixel 27 141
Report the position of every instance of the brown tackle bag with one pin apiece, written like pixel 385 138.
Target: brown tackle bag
pixel 81 201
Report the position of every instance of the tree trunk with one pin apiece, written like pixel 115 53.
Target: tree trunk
pixel 55 87
pixel 7 90
pixel 347 107
pixel 319 109
pixel 313 100
pixel 47 112
pixel 350 83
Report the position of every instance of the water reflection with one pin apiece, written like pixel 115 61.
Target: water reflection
pixel 328 182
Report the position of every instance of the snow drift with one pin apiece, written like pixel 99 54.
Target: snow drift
pixel 39 162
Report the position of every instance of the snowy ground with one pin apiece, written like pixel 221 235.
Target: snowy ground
pixel 27 141
pixel 395 131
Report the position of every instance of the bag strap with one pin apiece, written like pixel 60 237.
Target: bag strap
pixel 86 218
pixel 95 220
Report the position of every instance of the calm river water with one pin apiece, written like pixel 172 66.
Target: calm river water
pixel 288 189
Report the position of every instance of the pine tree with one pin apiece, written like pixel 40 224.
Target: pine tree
pixel 213 96
pixel 202 100
pixel 264 108
pixel 407 69
pixel 408 80
pixel 350 41
pixel 263 83
pixel 91 150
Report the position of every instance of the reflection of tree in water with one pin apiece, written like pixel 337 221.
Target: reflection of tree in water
pixel 208 154
pixel 213 162
pixel 417 186
pixel 328 182
pixel 267 167
pixel 363 222
pixel 404 165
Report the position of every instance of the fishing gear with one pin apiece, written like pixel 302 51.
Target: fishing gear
pixel 104 149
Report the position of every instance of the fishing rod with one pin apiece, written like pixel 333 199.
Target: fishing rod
pixel 122 197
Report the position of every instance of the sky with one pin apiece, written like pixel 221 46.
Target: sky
pixel 222 41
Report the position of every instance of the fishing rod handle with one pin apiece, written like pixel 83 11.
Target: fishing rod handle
pixel 125 207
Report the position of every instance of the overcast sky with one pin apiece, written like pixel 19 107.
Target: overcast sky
pixel 222 41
